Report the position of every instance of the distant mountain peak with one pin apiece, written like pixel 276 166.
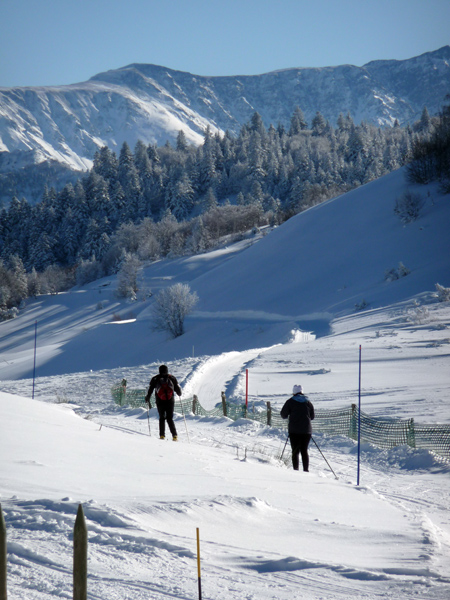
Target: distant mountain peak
pixel 152 103
pixel 441 53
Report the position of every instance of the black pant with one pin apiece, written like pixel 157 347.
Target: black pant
pixel 165 410
pixel 299 445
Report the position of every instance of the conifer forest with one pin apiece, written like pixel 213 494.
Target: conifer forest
pixel 150 202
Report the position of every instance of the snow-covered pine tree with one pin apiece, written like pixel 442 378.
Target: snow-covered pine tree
pixel 298 122
pixel 127 279
pixel 129 180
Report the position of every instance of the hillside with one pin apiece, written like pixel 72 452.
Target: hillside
pixel 311 270
pixel 335 255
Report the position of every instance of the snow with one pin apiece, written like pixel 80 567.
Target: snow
pixel 271 304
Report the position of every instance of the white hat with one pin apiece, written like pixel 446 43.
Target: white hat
pixel 297 389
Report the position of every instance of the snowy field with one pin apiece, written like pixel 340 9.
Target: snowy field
pixel 266 532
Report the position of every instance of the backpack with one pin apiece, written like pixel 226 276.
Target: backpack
pixel 164 388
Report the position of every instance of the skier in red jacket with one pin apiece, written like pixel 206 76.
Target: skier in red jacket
pixel 164 386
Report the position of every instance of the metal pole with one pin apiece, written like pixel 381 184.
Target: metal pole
pixel 281 457
pixel 184 417
pixel 3 556
pixel 198 566
pixel 148 421
pixel 324 457
pixel 34 365
pixel 359 418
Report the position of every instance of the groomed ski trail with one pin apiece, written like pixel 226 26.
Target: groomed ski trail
pixel 222 373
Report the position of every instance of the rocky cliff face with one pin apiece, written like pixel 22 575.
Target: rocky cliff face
pixel 68 124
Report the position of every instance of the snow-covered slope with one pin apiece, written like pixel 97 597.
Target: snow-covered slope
pixel 312 269
pixel 267 532
pixel 333 256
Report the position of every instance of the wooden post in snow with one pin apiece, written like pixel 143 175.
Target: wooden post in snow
pixel 123 392
pixel 80 541
pixel 246 389
pixel 3 555
pixel 224 404
pixel 269 414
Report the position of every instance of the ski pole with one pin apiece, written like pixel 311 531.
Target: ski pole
pixel 324 457
pixel 281 457
pixel 148 420
pixel 184 417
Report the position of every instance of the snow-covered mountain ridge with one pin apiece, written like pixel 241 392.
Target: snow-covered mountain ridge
pixel 68 124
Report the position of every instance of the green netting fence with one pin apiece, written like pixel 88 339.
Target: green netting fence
pixel 383 433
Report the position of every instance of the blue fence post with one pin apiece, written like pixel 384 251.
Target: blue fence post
pixel 3 556
pixel 359 418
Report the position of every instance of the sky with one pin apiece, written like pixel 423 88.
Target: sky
pixel 57 42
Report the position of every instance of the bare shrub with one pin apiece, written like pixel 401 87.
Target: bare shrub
pixel 171 307
pixel 408 206
pixel 394 274
pixel 443 293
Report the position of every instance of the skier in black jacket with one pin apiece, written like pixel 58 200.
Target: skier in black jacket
pixel 300 412
pixel 164 386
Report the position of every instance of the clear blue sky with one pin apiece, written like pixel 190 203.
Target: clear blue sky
pixel 53 42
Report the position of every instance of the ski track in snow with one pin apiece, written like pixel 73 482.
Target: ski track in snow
pixel 223 373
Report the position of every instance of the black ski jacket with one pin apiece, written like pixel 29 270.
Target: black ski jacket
pixel 154 384
pixel 300 412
